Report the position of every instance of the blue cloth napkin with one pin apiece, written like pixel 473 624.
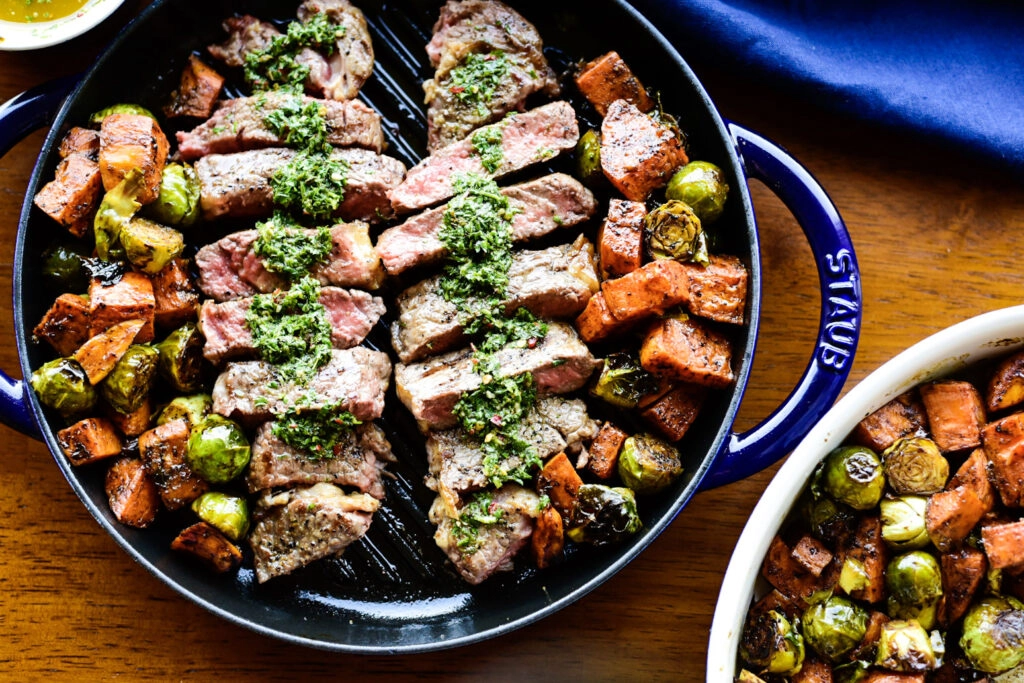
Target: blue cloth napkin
pixel 949 70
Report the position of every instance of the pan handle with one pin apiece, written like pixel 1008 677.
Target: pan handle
pixel 19 116
pixel 838 331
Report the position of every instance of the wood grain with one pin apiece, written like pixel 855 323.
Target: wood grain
pixel 938 237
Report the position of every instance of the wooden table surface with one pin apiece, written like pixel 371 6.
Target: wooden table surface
pixel 939 238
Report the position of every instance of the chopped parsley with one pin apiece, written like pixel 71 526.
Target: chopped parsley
pixel 475 81
pixel 276 66
pixel 300 124
pixel 288 249
pixel 479 511
pixel 290 329
pixel 315 433
pixel 487 145
pixel 311 182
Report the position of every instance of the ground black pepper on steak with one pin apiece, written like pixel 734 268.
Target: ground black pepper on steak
pixel 229 268
pixel 530 137
pixel 238 125
pixel 542 206
pixel 556 282
pixel 484 27
pixel 351 313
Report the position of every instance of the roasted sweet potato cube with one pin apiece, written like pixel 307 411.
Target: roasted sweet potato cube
pixel 72 197
pixel 209 546
pixel 950 516
pixel 866 647
pixel 133 423
pixel 638 154
pixel 596 323
pixel 84 141
pixel 647 291
pixel 197 91
pixel 867 548
pixel 163 452
pixel 133 496
pixel 813 671
pixel 1003 441
pixel 787 575
pixel 65 326
pixel 955 414
pixel 176 298
pixel 901 417
pixel 100 354
pixel 973 474
pixel 962 574
pixel 89 440
pixel 774 600
pixel 718 291
pixel 688 350
pixel 607 79
pixel 130 298
pixel 812 555
pixel 883 676
pixel 129 141
pixel 548 538
pixel 604 451
pixel 1004 544
pixel 620 240
pixel 672 414
pixel 1006 385
pixel 560 482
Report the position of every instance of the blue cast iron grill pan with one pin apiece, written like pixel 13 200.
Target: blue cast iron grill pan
pixel 393 591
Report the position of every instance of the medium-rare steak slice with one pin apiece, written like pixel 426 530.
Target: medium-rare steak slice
pixel 354 379
pixel 479 549
pixel 527 138
pixel 230 268
pixel 556 282
pixel 357 460
pixel 238 125
pixel 489 59
pixel 299 526
pixel 559 363
pixel 351 313
pixel 457 461
pixel 238 184
pixel 541 206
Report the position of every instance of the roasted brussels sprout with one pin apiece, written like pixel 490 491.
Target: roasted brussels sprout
pixel 993 634
pixel 905 646
pixel 217 449
pixel 603 515
pixel 63 266
pixel 181 358
pixel 829 520
pixel 63 385
pixel 773 644
pixel 851 672
pixel 131 379
pixel 647 464
pixel 120 108
pixel 178 202
pixel 191 408
pixel 915 465
pixel 623 382
pixel 150 246
pixel 833 627
pixel 702 185
pixel 913 582
pixel 588 157
pixel 903 522
pixel 852 475
pixel 116 211
pixel 853 576
pixel 228 514
pixel 673 231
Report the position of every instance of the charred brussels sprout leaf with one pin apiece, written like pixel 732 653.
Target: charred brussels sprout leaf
pixel 228 514
pixel 673 231
pixel 115 212
pixel 773 644
pixel 150 246
pixel 588 157
pixel 131 379
pixel 852 475
pixel 905 646
pixel 702 186
pixel 63 385
pixel 603 515
pixel 914 584
pixel 181 358
pixel 915 465
pixel 217 449
pixel 829 520
pixel 647 464
pixel 835 626
pixel 993 634
pixel 120 108
pixel 64 267
pixel 190 408
pixel 903 522
pixel 178 202
pixel 623 382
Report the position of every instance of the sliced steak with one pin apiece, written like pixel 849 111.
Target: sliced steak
pixel 528 138
pixel 254 391
pixel 489 30
pixel 357 461
pixel 351 313
pixel 306 524
pixel 541 206
pixel 496 544
pixel 238 184
pixel 230 269
pixel 245 34
pixel 556 282
pixel 456 460
pixel 238 126
pixel 560 363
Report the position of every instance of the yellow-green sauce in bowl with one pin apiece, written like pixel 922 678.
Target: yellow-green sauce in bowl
pixel 33 24
pixel 31 11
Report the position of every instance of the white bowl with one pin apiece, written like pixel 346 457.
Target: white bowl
pixel 20 36
pixel 945 352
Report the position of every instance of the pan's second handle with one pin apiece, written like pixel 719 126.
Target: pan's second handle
pixel 838 331
pixel 19 116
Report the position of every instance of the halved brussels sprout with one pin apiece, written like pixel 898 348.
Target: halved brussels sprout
pixel 63 266
pixel 702 185
pixel 647 464
pixel 913 582
pixel 830 520
pixel 115 212
pixel 120 108
pixel 993 634
pixel 178 202
pixel 228 514
pixel 181 358
pixel 852 475
pixel 603 515
pixel 131 379
pixel 673 231
pixel 588 157
pixel 833 627
pixel 623 382
pixel 905 646
pixel 150 246
pixel 915 465
pixel 773 644
pixel 217 449
pixel 63 385
pixel 904 524
pixel 190 408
